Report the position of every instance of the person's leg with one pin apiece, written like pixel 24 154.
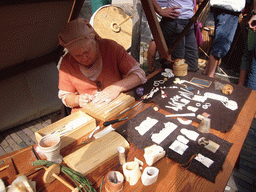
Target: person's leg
pixel 151 55
pixel 252 73
pixel 225 29
pixel 242 77
pixel 211 66
pixel 191 50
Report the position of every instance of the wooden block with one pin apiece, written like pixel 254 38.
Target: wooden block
pixel 96 153
pixel 72 135
pixel 106 111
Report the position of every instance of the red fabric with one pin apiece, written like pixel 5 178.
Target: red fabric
pixel 116 63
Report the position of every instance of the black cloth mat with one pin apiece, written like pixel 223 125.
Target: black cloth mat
pixel 129 132
pixel 222 118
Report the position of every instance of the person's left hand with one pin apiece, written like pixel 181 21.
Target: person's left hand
pixel 107 95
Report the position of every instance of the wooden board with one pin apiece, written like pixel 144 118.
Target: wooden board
pixel 72 135
pixel 106 111
pixel 101 21
pixel 94 154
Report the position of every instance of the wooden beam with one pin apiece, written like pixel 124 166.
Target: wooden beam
pixel 155 29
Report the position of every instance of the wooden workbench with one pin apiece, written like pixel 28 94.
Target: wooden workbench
pixel 172 177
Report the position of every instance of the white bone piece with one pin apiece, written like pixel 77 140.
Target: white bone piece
pixel 182 139
pixel 178 147
pixel 204 160
pixel 185 101
pixel 176 105
pixel 215 96
pixel 164 133
pixel 153 153
pixel 149 175
pixel 191 108
pixel 174 108
pixel 139 161
pixel 182 115
pixel 184 122
pixel 231 105
pixel 199 98
pixel 146 125
pixel 189 134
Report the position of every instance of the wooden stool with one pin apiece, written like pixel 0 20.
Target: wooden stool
pixel 52 173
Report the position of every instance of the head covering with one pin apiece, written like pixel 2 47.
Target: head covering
pixel 76 33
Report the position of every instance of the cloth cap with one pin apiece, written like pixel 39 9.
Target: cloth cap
pixel 76 33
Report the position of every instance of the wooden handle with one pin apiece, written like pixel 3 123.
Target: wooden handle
pixel 126 20
pixel 63 181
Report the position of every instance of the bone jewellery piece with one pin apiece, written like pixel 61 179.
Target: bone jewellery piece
pixel 146 125
pixel 189 134
pixel 191 108
pixel 132 172
pixel 208 144
pixel 182 115
pixel 165 132
pixel 204 160
pixel 205 125
pixel 121 155
pixel 153 153
pixel 184 122
pixel 182 139
pixel 178 147
pixel 149 175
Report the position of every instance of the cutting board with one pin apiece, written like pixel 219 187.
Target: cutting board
pixel 94 154
pixel 106 111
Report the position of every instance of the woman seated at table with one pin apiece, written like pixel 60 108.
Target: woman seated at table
pixel 94 69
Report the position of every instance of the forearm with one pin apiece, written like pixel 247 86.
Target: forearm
pixel 72 100
pixel 157 8
pixel 127 83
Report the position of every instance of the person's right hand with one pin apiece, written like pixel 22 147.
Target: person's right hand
pixel 83 99
pixel 252 23
pixel 172 13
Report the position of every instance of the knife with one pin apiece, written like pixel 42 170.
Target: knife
pixel 114 121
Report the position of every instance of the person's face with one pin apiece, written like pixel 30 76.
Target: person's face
pixel 86 55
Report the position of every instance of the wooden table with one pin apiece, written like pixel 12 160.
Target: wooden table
pixel 172 177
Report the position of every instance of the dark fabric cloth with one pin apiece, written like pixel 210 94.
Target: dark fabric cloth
pixel 222 118
pixel 129 132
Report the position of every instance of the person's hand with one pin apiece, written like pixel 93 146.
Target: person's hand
pixel 172 13
pixel 107 95
pixel 83 99
pixel 252 23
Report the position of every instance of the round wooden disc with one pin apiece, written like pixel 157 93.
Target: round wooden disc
pixel 107 15
pixel 48 175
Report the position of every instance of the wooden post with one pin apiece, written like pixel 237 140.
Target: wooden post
pixel 136 31
pixel 155 29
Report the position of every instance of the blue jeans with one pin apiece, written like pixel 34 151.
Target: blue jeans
pixel 252 72
pixel 225 28
pixel 187 47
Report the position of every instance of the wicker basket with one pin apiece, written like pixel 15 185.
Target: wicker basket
pixel 180 70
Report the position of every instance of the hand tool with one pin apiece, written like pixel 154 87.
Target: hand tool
pixel 114 121
pixel 128 109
